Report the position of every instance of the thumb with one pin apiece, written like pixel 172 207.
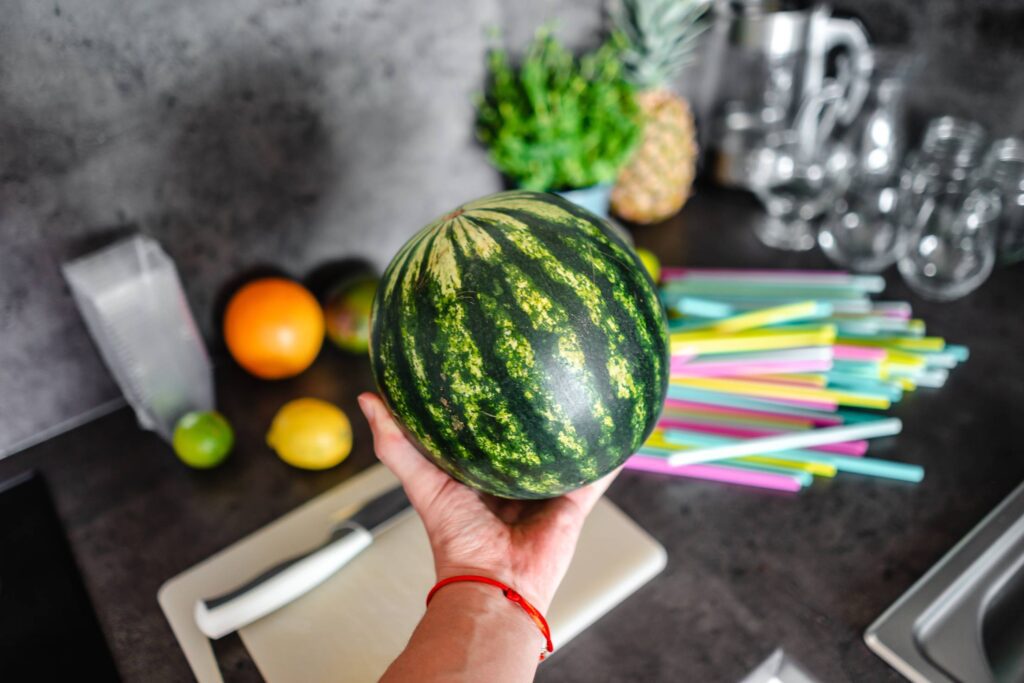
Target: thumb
pixel 419 476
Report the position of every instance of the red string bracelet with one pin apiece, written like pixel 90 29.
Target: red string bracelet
pixel 509 593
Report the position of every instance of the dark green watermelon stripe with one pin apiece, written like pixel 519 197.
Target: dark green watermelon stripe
pixel 570 250
pixel 591 377
pixel 496 273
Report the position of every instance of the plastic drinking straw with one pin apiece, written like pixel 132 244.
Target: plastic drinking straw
pixel 729 369
pixel 960 352
pixel 817 469
pixel 677 405
pixel 769 393
pixel 793 291
pixel 799 379
pixel 794 395
pixel 933 379
pixel 940 359
pixel 760 340
pixel 869 283
pixel 804 353
pixel 797 470
pixel 729 475
pixel 734 401
pixel 718 420
pixel 731 448
pixel 854 448
pixel 804 310
pixel 863 353
pixel 892 309
pixel 804 471
pixel 843 381
pixel 701 308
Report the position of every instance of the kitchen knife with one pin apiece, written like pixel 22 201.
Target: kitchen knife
pixel 295 577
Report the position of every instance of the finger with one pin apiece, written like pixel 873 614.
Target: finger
pixel 586 498
pixel 419 476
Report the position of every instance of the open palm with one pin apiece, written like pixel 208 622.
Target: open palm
pixel 525 544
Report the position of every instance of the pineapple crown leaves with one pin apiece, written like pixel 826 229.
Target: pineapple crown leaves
pixel 660 37
pixel 555 121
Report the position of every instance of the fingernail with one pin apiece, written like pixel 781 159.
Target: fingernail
pixel 366 405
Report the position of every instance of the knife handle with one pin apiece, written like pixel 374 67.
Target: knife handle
pixel 281 584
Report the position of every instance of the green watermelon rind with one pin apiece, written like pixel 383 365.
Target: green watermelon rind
pixel 521 345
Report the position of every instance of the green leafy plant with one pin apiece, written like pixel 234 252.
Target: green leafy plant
pixel 558 122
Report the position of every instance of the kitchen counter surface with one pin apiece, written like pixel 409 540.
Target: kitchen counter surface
pixel 747 571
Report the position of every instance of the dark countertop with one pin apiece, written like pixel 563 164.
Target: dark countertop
pixel 748 570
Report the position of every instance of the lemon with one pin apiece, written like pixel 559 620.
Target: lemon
pixel 310 434
pixel 650 262
pixel 203 439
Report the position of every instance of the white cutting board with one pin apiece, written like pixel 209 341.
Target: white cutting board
pixel 352 626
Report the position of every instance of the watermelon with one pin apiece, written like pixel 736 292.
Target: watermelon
pixel 521 345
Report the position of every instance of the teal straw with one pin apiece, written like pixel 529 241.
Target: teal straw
pixel 871 467
pixel 863 385
pixel 701 308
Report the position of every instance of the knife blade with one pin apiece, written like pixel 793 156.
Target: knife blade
pixel 296 576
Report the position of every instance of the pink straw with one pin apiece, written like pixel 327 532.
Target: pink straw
pixel 817 420
pixel 851 448
pixel 728 475
pixel 734 368
pixel 865 353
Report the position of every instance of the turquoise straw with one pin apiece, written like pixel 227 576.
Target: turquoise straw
pixel 871 467
pixel 701 308
pixel 863 385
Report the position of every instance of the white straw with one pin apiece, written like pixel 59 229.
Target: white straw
pixel 790 441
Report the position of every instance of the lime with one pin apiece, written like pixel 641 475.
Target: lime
pixel 203 439
pixel 650 262
pixel 310 434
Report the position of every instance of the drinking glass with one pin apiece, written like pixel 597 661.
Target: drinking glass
pixel 950 222
pixel 952 244
pixel 1002 172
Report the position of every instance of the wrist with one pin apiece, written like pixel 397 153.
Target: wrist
pixel 535 594
pixel 492 609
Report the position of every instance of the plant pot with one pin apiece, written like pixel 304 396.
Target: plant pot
pixel 594 198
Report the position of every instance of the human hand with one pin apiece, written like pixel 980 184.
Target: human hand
pixel 525 544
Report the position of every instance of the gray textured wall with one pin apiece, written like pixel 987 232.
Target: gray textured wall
pixel 246 132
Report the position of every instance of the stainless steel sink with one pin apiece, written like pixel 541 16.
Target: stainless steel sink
pixel 964 620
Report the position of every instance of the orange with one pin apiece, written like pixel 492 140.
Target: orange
pixel 274 328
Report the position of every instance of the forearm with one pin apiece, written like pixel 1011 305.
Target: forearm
pixel 470 632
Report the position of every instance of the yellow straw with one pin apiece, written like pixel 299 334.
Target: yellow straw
pixel 820 469
pixel 759 340
pixel 781 391
pixel 804 378
pixel 766 316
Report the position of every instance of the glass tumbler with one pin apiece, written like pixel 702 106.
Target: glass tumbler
pixel 950 150
pixel 1002 172
pixel 951 248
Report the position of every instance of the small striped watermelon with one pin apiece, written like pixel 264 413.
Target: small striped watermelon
pixel 520 342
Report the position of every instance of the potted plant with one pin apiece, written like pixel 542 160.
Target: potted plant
pixel 559 123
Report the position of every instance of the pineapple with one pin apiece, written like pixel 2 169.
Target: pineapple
pixel 659 36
